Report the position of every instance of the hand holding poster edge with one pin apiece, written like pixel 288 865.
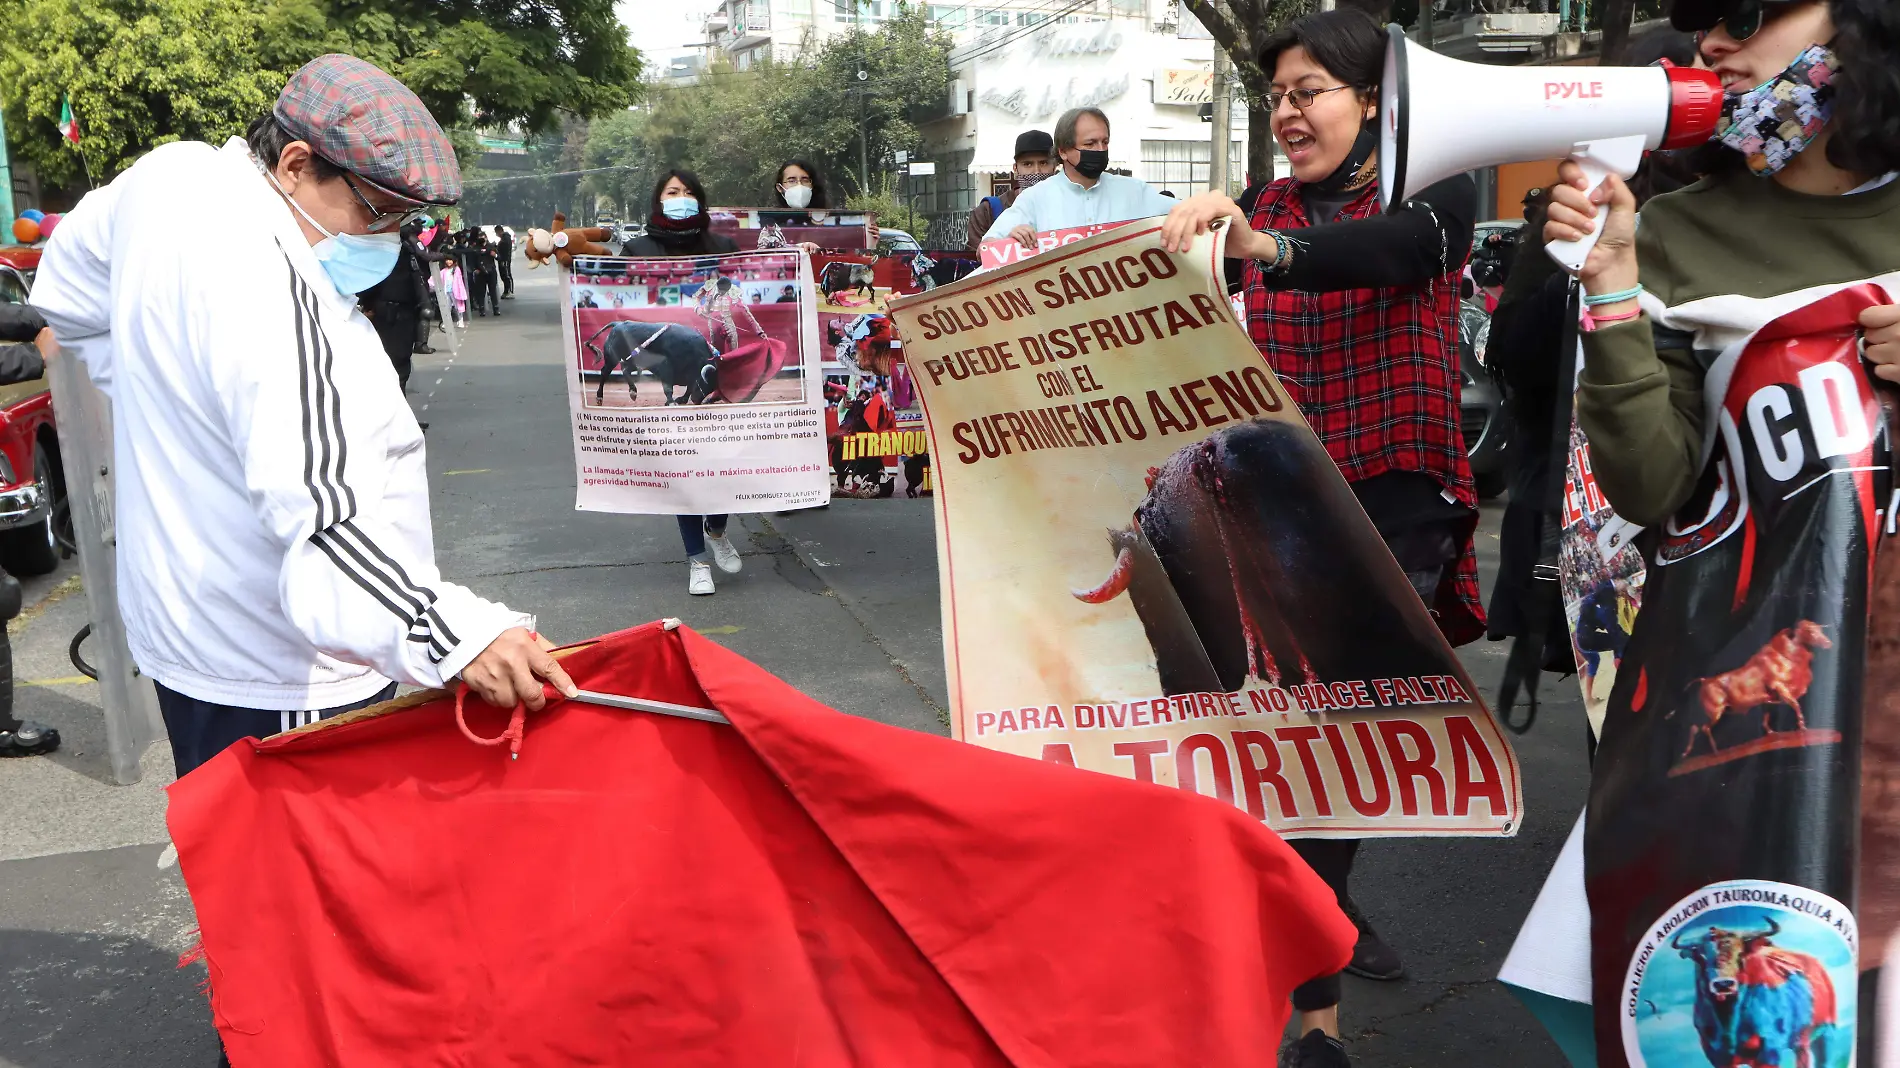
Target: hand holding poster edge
pixel 1478 742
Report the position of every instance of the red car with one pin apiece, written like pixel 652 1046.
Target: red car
pixel 32 485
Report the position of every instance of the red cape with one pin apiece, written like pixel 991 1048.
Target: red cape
pixel 745 370
pixel 800 888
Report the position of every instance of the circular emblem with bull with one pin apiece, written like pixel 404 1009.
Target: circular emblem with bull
pixel 1747 972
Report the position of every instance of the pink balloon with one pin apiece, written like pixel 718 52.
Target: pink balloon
pixel 49 222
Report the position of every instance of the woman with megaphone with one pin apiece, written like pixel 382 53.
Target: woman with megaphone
pixel 1357 312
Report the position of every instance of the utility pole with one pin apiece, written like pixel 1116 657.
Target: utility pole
pixel 1425 22
pixel 6 186
pixel 1223 136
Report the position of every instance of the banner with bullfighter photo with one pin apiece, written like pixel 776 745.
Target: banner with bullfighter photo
pixel 1601 576
pixel 1722 838
pixel 1151 568
pixel 879 448
pixel 694 384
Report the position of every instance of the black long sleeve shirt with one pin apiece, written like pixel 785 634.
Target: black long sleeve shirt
pixel 1399 249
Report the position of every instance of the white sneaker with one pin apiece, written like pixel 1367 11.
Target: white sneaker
pixel 724 553
pixel 698 577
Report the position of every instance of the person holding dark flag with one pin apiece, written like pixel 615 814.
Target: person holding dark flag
pixel 484 281
pixel 395 304
pixel 1357 311
pixel 1728 408
pixel 1035 160
pixel 505 261
pixel 26 344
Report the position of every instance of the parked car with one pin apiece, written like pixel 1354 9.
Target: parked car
pixel 1483 415
pixel 33 518
pixel 890 241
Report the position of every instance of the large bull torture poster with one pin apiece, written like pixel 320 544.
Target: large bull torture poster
pixel 694 384
pixel 1151 567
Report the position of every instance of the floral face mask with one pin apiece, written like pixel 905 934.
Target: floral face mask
pixel 1773 122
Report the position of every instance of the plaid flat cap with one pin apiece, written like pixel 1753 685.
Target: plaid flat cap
pixel 358 117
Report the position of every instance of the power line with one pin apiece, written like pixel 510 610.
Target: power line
pixel 552 174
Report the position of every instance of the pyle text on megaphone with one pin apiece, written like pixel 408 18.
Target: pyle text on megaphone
pixel 1604 118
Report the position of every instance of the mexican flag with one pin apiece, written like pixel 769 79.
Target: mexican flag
pixel 68 126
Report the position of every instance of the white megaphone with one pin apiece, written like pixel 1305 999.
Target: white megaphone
pixel 1440 117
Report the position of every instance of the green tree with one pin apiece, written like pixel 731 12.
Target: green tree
pixel 486 62
pixel 139 72
pixel 734 127
pixel 611 141
pixel 143 72
pixel 1241 27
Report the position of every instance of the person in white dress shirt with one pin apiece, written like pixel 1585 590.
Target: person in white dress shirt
pixel 1081 194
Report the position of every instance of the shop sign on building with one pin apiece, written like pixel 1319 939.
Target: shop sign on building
pixel 1184 86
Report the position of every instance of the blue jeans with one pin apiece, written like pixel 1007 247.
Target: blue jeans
pixel 693 531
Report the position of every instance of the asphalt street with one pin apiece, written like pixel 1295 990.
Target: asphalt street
pixel 841 603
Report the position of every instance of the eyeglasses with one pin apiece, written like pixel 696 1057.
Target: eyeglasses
pixel 1302 98
pixel 795 180
pixel 380 221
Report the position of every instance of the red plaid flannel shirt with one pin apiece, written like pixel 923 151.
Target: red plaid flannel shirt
pixel 1375 372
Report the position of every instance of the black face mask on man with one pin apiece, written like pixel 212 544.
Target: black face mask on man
pixel 1092 162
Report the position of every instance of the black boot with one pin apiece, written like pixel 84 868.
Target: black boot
pixel 1316 1049
pixel 1372 958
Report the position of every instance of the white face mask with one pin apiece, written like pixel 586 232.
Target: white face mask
pixel 798 196
pixel 354 262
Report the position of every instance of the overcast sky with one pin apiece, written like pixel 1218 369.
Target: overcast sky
pixel 660 28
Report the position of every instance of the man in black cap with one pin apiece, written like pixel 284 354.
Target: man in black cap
pixel 1035 160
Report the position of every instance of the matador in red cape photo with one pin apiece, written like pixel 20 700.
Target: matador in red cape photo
pixel 798 887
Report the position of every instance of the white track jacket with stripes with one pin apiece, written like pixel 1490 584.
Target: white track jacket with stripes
pixel 272 504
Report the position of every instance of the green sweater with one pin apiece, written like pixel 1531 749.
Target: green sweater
pixel 1710 254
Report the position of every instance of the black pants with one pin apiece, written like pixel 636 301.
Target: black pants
pixel 505 262
pixel 396 326
pixel 1423 552
pixel 1331 859
pixel 483 287
pixel 200 730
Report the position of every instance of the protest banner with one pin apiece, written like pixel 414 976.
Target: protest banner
pixel 1151 567
pixel 695 385
pixel 1002 251
pixel 1722 837
pixel 876 431
pixel 1601 578
pixel 766 228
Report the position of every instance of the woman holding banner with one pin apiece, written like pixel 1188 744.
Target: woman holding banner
pixel 1357 313
pixel 800 189
pixel 679 225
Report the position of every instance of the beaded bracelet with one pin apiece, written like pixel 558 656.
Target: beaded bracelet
pixel 1618 297
pixel 1282 253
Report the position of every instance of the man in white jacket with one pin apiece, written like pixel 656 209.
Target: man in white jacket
pixel 276 562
